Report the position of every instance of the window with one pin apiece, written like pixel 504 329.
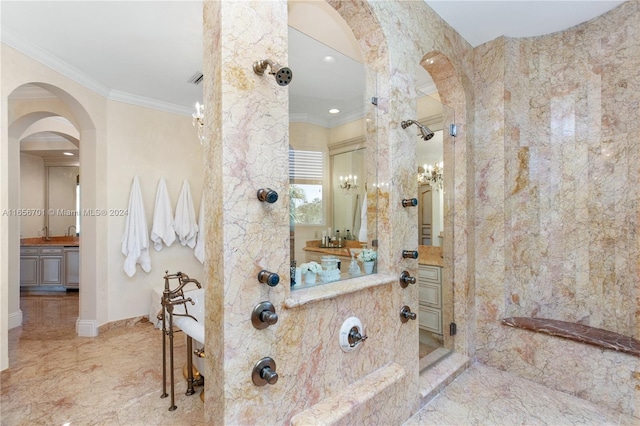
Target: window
pixel 306 177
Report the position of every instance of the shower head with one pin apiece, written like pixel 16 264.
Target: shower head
pixel 282 74
pixel 425 132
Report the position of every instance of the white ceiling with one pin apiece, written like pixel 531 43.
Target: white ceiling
pixel 480 21
pixel 145 51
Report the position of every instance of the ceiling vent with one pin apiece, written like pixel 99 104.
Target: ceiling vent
pixel 196 78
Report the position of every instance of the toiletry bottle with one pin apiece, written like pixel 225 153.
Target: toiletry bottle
pixel 338 239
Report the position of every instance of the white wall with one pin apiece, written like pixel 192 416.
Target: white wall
pixel 32 178
pixel 149 144
pixel 117 142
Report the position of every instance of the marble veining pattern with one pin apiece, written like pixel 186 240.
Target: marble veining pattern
pixel 248 136
pixel 578 332
pixel 557 203
pixel 487 396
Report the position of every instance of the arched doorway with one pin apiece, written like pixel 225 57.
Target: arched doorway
pixel 47 107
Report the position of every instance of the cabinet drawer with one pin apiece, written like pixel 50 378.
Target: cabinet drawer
pixel 431 273
pixel 28 250
pixel 51 250
pixel 430 319
pixel 430 294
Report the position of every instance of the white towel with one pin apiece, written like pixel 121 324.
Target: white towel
pixel 162 230
pixel 135 241
pixel 185 221
pixel 362 235
pixel 199 250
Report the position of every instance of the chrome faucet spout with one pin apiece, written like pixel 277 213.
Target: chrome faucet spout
pixel 69 231
pixel 45 230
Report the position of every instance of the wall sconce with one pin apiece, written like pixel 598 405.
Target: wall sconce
pixel 431 175
pixel 198 121
pixel 348 183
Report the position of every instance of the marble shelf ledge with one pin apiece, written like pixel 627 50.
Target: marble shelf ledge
pixel 578 332
pixel 304 296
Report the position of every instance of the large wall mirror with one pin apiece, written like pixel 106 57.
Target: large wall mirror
pixel 327 156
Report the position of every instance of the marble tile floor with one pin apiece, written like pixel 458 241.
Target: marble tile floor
pixel 57 378
pixel 484 395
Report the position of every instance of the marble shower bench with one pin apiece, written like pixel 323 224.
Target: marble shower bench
pixel 577 332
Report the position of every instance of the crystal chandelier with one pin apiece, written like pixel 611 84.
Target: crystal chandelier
pixel 198 121
pixel 348 183
pixel 431 175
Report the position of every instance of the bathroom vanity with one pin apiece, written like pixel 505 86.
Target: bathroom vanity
pixel 314 252
pixel 430 288
pixel 50 263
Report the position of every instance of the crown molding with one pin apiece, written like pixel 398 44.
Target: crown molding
pixel 51 61
pixel 116 95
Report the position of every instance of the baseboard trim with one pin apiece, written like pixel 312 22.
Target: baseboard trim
pixel 15 319
pixel 86 328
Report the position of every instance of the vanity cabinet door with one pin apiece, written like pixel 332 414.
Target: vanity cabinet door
pixel 71 268
pixel 430 298
pixel 51 270
pixel 29 270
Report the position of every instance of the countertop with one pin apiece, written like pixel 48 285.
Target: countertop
pixel 314 246
pixel 430 255
pixel 53 241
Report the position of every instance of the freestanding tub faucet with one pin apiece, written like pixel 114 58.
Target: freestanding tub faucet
pixel 170 298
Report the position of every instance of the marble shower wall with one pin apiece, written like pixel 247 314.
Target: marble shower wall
pixel 246 149
pixel 557 200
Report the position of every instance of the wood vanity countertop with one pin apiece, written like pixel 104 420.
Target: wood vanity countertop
pixel 430 255
pixel 53 241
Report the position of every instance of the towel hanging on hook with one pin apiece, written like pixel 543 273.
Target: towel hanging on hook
pixel 162 229
pixel 135 241
pixel 185 220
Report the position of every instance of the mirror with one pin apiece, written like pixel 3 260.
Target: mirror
pixel 62 199
pixel 327 128
pixel 429 155
pixel 347 172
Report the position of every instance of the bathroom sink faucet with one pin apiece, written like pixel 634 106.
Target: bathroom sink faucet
pixel 69 231
pixel 45 235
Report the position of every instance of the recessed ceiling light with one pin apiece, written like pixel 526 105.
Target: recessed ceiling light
pixel 329 59
pixel 68 153
pixel 334 111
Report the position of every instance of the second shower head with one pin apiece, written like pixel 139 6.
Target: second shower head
pixel 282 74
pixel 425 132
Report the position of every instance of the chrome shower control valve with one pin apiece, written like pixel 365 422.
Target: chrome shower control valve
pixel 264 372
pixel 406 314
pixel 355 337
pixel 263 315
pixel 269 278
pixel 406 279
pixel 351 334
